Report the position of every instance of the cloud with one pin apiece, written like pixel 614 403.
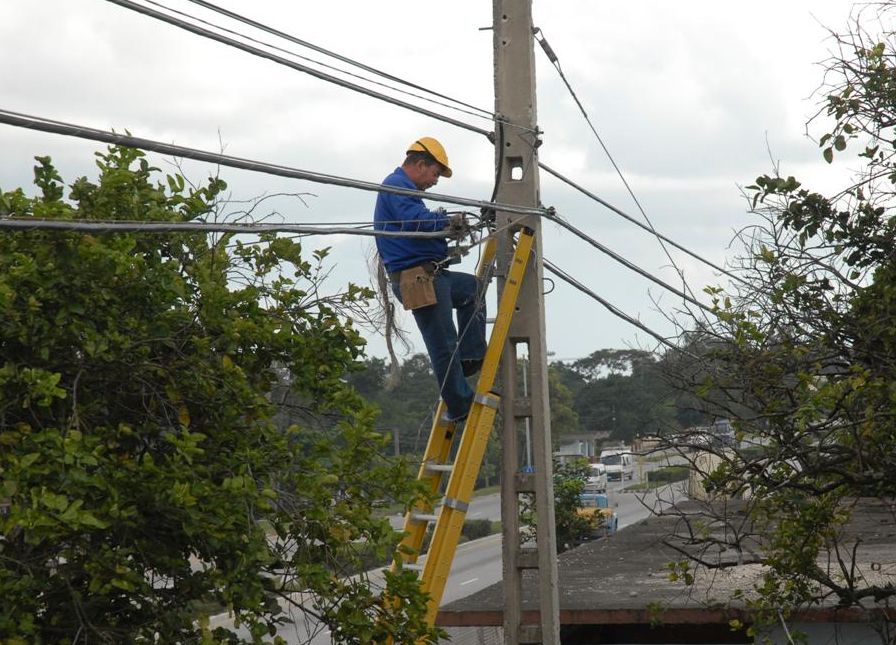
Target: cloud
pixel 692 99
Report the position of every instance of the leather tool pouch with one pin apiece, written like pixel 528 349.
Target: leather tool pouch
pixel 416 288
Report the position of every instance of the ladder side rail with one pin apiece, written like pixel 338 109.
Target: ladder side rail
pixel 438 450
pixel 438 447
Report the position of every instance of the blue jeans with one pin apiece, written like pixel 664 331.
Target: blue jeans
pixel 454 290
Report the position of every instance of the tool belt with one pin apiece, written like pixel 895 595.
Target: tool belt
pixel 416 285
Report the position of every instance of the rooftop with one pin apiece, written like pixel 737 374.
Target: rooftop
pixel 624 579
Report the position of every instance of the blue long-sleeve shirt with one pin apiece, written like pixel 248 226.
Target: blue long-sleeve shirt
pixel 406 213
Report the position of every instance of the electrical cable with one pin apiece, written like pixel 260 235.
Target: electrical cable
pixel 549 52
pixel 626 263
pixel 130 226
pixel 631 219
pixel 199 31
pixel 560 273
pixel 339 57
pixel 317 62
pixel 58 127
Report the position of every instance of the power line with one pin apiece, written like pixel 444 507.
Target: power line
pixel 129 226
pixel 549 52
pixel 631 219
pixel 628 264
pixel 321 50
pixel 205 33
pixel 563 275
pixel 82 132
pixel 317 62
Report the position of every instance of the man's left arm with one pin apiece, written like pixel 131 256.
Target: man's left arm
pixel 413 215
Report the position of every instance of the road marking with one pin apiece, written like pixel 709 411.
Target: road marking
pixel 468 582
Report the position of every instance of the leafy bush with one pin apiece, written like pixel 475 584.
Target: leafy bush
pixel 475 529
pixel 668 474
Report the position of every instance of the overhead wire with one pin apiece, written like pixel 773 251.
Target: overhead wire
pixel 257 41
pixel 626 263
pixel 205 33
pixel 299 230
pixel 634 221
pixel 332 54
pixel 47 125
pixel 551 215
pixel 68 129
pixel 131 226
pixel 552 56
pixel 563 275
pixel 538 34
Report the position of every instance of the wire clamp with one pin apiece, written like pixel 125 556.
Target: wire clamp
pixel 486 400
pixel 455 504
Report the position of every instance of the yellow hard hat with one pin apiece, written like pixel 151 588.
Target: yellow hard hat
pixel 435 150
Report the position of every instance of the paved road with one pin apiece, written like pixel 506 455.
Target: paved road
pixel 477 564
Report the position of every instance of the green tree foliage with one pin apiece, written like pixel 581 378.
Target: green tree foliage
pixel 564 417
pixel 141 468
pixel 803 357
pixel 571 527
pixel 624 392
pixel 407 406
pixel 569 483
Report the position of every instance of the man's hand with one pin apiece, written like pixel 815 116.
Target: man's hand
pixel 458 227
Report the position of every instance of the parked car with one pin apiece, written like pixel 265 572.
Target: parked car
pixel 597 479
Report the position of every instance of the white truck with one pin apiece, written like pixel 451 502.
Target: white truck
pixel 619 462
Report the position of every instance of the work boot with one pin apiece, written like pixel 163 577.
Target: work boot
pixel 459 418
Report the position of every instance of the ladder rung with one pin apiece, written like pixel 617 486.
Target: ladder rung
pixel 490 321
pixel 439 468
pixel 412 566
pixel 424 517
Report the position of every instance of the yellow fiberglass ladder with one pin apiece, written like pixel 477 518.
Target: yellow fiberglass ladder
pixel 450 515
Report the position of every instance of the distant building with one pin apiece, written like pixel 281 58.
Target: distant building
pixel 644 445
pixel 580 444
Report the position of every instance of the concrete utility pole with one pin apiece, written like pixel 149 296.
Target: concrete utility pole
pixel 516 142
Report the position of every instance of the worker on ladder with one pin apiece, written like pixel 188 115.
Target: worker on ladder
pixel 420 279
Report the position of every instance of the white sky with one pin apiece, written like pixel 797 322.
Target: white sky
pixel 689 97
